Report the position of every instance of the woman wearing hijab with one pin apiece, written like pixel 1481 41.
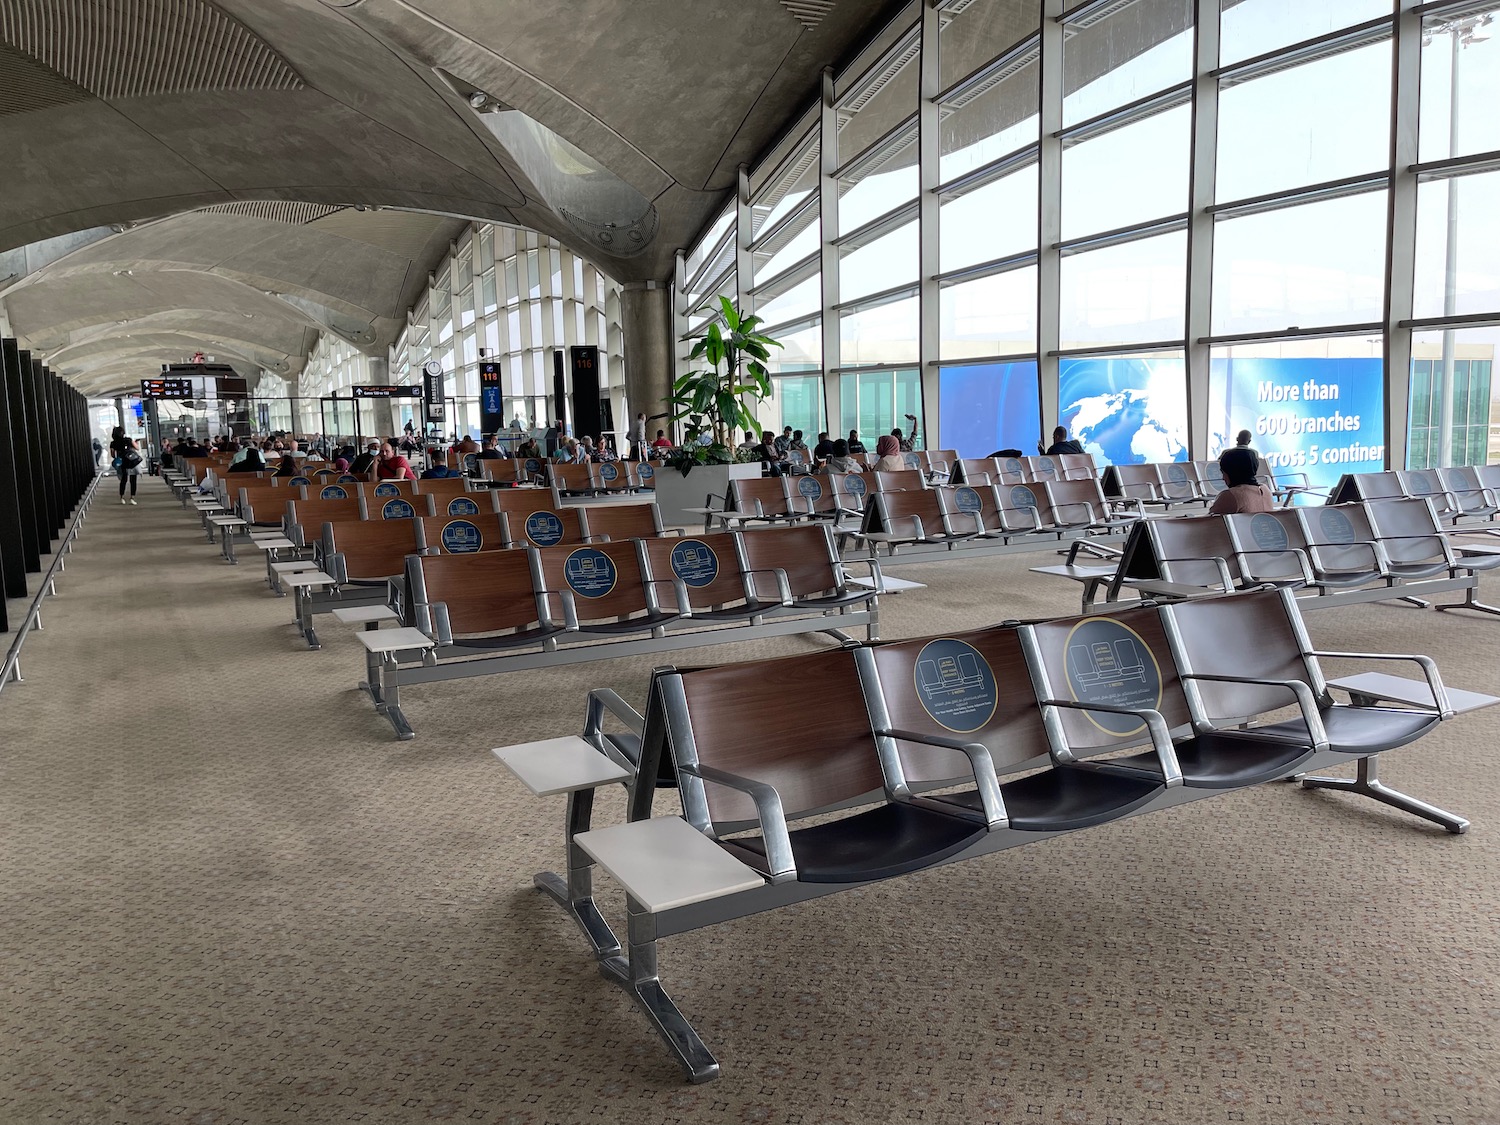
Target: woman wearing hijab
pixel 1238 467
pixel 888 452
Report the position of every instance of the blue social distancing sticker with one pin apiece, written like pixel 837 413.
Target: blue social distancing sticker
pixel 854 485
pixel 1111 664
pixel 462 506
pixel 1268 532
pixel 1022 497
pixel 608 473
pixel 644 471
pixel 590 572
pixel 694 562
pixel 809 487
pixel 387 489
pixel 955 685
pixel 1045 467
pixel 1336 526
pixel 333 492
pixel 544 529
pixel 348 478
pixel 300 480
pixel 966 499
pixel 1013 465
pixel 460 537
pixel 397 510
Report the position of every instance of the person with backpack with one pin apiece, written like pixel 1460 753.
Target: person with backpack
pixel 127 461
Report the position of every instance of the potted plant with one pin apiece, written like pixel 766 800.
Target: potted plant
pixel 711 400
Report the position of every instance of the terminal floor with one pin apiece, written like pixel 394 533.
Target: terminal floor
pixel 231 896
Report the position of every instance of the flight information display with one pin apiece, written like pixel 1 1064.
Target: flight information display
pixel 167 388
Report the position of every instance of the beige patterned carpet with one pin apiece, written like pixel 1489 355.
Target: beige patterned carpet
pixel 231 897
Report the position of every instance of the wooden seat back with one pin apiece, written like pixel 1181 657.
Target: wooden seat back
pixel 1207 478
pixel 803 552
pixel 1409 530
pixel 917 514
pixel 976 471
pixel 541 525
pixel 964 501
pixel 1040 470
pixel 1377 486
pixel 443 488
pixel 480 502
pixel 850 490
pixel 304 519
pixel 465 534
pixel 507 470
pixel 1120 659
pixel 571 477
pixel 1267 545
pixel 707 565
pixel 972 685
pixel 763 496
pixel 1077 466
pixel 605 579
pixel 1073 503
pixel 1177 481
pixel 483 592
pixel 1341 534
pixel 938 460
pixel 1137 482
pixel 613 521
pixel 403 507
pixel 818 495
pixel 369 550
pixel 375 491
pixel 1186 550
pixel 610 476
pixel 1255 635
pixel 258 502
pixel 642 474
pixel 897 481
pixel 727 720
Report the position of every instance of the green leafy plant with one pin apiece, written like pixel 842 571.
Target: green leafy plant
pixel 712 399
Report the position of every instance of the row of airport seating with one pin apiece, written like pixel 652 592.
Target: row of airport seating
pixel 924 752
pixel 1396 548
pixel 1467 493
pixel 486 612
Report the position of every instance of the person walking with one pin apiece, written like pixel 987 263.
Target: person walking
pixel 98 453
pixel 127 461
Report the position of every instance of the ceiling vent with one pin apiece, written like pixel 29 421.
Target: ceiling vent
pixel 134 48
pixel 273 210
pixel 26 84
pixel 809 13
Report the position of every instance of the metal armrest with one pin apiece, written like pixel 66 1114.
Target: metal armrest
pixel 600 701
pixel 1307 702
pixel 569 608
pixel 1225 578
pixel 1426 663
pixel 1301 556
pixel 980 762
pixel 1088 509
pixel 679 588
pixel 1128 502
pixel 783 585
pixel 1156 727
pixel 768 810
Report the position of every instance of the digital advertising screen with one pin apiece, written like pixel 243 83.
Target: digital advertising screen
pixel 1127 410
pixel 1322 417
pixel 988 407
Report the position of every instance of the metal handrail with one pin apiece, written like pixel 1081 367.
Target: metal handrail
pixel 10 670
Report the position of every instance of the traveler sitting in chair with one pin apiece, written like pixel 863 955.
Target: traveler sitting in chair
pixel 1243 494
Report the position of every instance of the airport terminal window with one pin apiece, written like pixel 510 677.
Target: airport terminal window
pixel 1096 198
pixel 1460 83
pixel 1315 265
pixel 1126 409
pixel 1323 120
pixel 988 407
pixel 1123 54
pixel 1125 294
pixel 1295 247
pixel 989 316
pixel 1469 266
pixel 801 348
pixel 990 222
pixel 890 260
pixel 1257 27
pixel 799 404
pixel 876 402
pixel 885 332
pixel 1314 406
pixel 1469 355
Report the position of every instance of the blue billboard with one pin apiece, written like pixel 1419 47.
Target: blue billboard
pixel 988 407
pixel 1127 410
pixel 1322 417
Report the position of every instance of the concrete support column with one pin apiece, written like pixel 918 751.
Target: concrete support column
pixel 646 323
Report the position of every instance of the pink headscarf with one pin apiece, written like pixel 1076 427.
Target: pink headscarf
pixel 886 446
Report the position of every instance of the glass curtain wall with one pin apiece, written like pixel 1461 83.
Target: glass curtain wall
pixel 503 293
pixel 1156 222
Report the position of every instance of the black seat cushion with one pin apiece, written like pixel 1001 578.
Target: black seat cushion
pixel 1360 730
pixel 519 639
pixel 1419 569
pixel 892 839
pixel 1069 796
pixel 1223 759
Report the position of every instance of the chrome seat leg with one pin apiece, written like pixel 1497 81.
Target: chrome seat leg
pixel 1367 783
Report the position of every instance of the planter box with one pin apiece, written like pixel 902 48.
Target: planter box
pixel 674 492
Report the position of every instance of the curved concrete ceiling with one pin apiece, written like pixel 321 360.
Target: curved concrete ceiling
pixel 252 289
pixel 615 126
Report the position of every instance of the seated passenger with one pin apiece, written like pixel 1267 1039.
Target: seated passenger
pixel 251 464
pixel 287 466
pixel 1061 443
pixel 769 452
pixel 1238 467
pixel 436 469
pixel 839 460
pixel 491 450
pixel 888 450
pixel 529 448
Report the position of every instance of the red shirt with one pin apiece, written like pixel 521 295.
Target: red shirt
pixel 397 467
